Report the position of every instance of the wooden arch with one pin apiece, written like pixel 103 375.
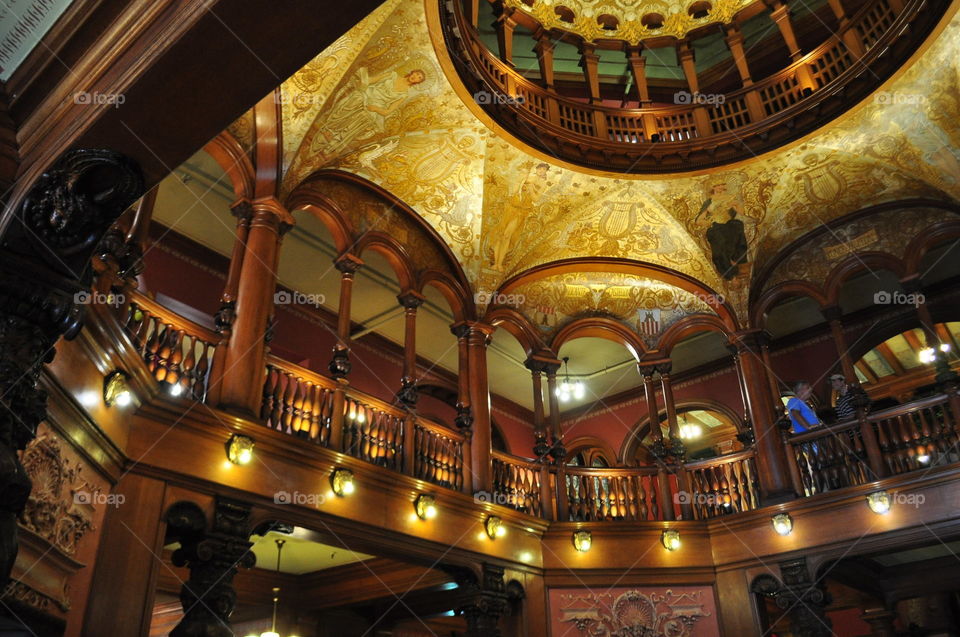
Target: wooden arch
pixel 600 327
pixel 583 443
pixel 780 292
pixel 628 448
pixel 310 196
pixel 716 301
pixel 519 327
pixel 685 327
pixel 857 263
pixel 926 241
pixel 229 154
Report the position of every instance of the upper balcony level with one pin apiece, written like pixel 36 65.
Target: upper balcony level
pixel 664 97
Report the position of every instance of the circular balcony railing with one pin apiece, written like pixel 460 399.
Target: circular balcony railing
pixel 799 98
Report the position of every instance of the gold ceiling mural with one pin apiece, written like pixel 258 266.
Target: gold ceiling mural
pixel 395 118
pixel 646 305
pixel 676 17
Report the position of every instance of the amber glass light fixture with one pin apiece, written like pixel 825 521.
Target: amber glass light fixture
pixel 582 541
pixel 879 502
pixel 495 527
pixel 116 391
pixel 670 538
pixel 276 599
pixel 342 482
pixel 425 506
pixel 240 449
pixel 782 523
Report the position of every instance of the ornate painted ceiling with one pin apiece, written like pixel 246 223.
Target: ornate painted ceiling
pixel 383 104
pixel 676 17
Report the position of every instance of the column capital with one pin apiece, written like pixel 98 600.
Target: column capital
pixel 242 209
pixel 411 299
pixel 912 284
pixel 544 43
pixel 475 331
pixel 661 366
pixel 267 207
pixel 542 364
pixel 348 263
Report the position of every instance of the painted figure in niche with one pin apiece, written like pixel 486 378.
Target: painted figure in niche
pixel 360 109
pixel 725 233
pixel 517 207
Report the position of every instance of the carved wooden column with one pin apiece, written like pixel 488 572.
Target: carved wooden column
pixel 687 63
pixel 848 33
pixel 213 551
pixel 348 265
pixel 464 418
pixel 772 468
pixel 557 450
pixel 734 40
pixel 638 67
pixel 410 300
pixel 244 368
pixel 483 601
pixel 45 255
pixel 677 448
pixel 590 63
pixel 504 26
pixel 541 446
pixel 800 596
pixel 945 374
pixel 544 49
pixel 658 448
pixel 243 211
pixel 478 337
pixel 834 314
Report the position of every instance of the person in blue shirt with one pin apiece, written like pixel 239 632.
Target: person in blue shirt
pixel 801 415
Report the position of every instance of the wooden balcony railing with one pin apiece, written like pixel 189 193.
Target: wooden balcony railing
pixel 693 135
pixel 613 494
pixel 300 402
pixel 177 352
pixel 519 483
pixel 307 405
pixel 909 437
pixel 724 485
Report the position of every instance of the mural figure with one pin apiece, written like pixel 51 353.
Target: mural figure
pixel 517 208
pixel 724 232
pixel 361 107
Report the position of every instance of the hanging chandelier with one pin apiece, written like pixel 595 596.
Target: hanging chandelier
pixel 688 430
pixel 276 598
pixel 567 389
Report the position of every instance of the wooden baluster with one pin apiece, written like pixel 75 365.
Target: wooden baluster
pixel 269 386
pixel 296 408
pixel 189 364
pixel 643 508
pixel 293 385
pixel 316 407
pixel 154 343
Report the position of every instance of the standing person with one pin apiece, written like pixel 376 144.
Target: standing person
pixel 847 398
pixel 801 414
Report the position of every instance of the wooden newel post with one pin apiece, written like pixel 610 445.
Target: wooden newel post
pixel 870 444
pixel 409 443
pixel 795 478
pixel 546 493
pixel 686 503
pixel 664 493
pixel 773 471
pixel 410 300
pixel 563 503
pixel 464 418
pixel 244 365
pixel 478 337
pixel 339 411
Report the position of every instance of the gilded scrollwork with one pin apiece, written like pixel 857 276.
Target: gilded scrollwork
pixel 650 613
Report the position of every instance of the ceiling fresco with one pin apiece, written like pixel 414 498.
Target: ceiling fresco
pixel 646 305
pixel 677 20
pixel 384 108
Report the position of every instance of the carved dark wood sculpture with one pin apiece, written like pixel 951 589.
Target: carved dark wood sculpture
pixel 45 258
pixel 484 600
pixel 798 596
pixel 213 556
